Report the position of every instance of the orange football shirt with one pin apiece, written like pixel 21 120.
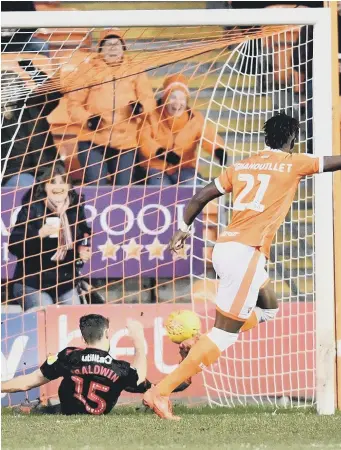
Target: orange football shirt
pixel 263 188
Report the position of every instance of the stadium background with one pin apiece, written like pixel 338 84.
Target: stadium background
pixel 139 289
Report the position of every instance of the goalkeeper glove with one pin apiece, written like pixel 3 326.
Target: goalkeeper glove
pixel 221 156
pixel 93 122
pixel 170 156
pixel 136 108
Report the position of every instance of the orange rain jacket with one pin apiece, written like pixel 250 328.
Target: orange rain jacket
pixel 107 92
pixel 181 135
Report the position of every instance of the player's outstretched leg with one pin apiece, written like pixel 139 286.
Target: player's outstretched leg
pixel 242 274
pixel 204 353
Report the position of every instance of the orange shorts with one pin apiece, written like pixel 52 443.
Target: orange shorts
pixel 242 273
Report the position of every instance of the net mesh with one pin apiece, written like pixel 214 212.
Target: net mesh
pixel 108 124
pixel 275 362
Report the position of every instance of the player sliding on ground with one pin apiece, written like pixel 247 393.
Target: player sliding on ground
pixel 263 188
pixel 92 379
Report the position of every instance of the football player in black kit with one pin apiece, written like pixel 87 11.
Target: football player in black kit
pixel 92 379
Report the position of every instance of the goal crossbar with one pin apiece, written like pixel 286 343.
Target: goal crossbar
pixel 153 18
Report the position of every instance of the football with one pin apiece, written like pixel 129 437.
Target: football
pixel 181 325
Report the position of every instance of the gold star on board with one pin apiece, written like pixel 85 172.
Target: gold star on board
pixel 109 250
pixel 182 253
pixel 156 249
pixel 133 250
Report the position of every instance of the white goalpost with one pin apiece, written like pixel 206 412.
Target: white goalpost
pixel 293 358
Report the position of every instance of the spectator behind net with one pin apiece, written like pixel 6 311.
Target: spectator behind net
pixel 22 39
pixel 46 241
pixel 170 136
pixel 27 144
pixel 108 108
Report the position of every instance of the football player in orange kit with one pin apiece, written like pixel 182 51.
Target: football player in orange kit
pixel 263 188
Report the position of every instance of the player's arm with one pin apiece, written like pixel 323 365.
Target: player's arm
pixel 331 163
pixel 143 387
pixel 146 385
pixel 192 210
pixel 183 386
pixel 24 382
pixel 310 164
pixel 140 361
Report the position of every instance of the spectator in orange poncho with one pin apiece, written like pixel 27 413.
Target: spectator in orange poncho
pixel 169 137
pixel 108 108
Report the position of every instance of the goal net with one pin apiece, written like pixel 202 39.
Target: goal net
pixel 275 362
pixel 137 133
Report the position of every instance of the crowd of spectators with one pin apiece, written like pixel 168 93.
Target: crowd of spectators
pixel 108 113
pixel 124 131
pixel 120 125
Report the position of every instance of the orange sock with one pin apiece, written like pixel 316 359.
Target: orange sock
pixel 204 352
pixel 251 322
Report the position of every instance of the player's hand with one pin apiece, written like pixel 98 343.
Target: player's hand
pixel 135 329
pixel 178 240
pixel 48 230
pixel 84 253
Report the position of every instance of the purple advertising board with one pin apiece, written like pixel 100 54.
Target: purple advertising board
pixel 132 226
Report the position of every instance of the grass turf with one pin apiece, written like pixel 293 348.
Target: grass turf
pixel 200 428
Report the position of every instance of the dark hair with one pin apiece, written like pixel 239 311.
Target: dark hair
pixel 92 327
pixel 111 36
pixel 45 176
pixel 279 129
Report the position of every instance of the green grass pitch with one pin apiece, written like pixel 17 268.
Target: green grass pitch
pixel 200 428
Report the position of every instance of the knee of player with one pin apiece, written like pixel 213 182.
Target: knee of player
pixel 222 338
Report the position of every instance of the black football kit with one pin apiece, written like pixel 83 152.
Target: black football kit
pixel 92 379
